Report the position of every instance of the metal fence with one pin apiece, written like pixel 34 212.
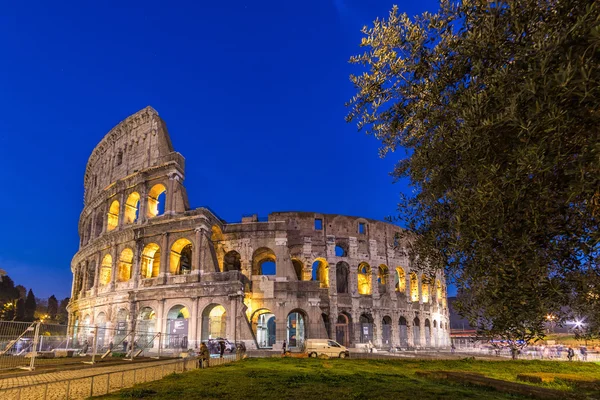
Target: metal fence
pixel 107 382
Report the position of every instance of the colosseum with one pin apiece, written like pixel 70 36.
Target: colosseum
pixel 148 263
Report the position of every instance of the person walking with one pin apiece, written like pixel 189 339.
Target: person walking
pixel 204 356
pixel 452 348
pixel 583 352
pixel 222 347
pixel 284 347
pixel 125 343
pixel 570 353
pixel 85 347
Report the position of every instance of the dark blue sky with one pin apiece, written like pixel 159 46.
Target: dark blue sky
pixel 253 94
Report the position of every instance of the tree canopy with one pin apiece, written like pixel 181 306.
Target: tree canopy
pixel 496 107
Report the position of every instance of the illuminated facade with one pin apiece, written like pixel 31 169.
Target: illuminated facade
pixel 150 263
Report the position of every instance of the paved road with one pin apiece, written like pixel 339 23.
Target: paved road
pixel 84 382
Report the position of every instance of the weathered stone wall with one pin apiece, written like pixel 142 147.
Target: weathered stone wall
pixel 345 277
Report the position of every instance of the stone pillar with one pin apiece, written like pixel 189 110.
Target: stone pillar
pixel 377 329
pixel 374 283
pixel 121 210
pixel 92 231
pixel 74 293
pixel 407 285
pixel 422 331
pixel 161 319
pixel 143 207
pixel 410 331
pixel 169 209
pixel 198 249
pixel 193 325
pixel 395 330
pixel 97 272
pixel 164 257
pixel 137 256
pixel 420 286
pixel 115 260
pixel 84 279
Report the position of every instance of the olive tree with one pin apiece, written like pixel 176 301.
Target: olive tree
pixel 494 107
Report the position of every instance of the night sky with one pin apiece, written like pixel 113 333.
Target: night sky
pixel 252 92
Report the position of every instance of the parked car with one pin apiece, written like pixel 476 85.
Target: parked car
pixel 214 347
pixel 331 348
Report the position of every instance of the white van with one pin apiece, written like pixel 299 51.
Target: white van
pixel 316 347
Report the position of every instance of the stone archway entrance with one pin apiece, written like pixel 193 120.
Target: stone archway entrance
pixel 342 329
pixel 214 322
pixel 296 329
pixel 177 327
pixel 386 332
pixel 263 323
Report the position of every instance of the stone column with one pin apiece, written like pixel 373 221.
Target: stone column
pixel 84 278
pixel 170 189
pixel 121 210
pixel 97 272
pixel 198 249
pixel 422 331
pixel 115 260
pixel 420 287
pixel 410 331
pixel 143 207
pixel 374 283
pixel 74 293
pixel 193 325
pixel 161 319
pixel 137 256
pixel 395 330
pixel 164 257
pixel 377 329
pixel 92 231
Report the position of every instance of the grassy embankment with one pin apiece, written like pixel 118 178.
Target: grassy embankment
pixel 277 378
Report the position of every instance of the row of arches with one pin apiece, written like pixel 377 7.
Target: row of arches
pixel 109 220
pixel 155 207
pixel 180 262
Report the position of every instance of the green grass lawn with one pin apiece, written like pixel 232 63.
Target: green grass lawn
pixel 284 378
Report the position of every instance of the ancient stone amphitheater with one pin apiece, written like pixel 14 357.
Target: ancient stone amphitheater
pixel 148 262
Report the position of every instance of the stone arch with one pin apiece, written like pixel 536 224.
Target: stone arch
pixel 400 280
pixel 91 275
pixel 341 247
pixel 417 331
pixel 382 278
pixel 178 318
pixel 364 279
pixel 343 329
pixel 99 218
pixel 296 328
pixel 320 272
pixel 132 208
pixel 264 327
pixel 366 327
pixel 342 273
pixel 232 261
pixel 125 265
pixel 386 331
pixel 106 270
pixel 298 268
pixel 146 327
pixel 180 260
pixel 262 256
pixel 150 265
pixel 155 195
pixel 113 216
pixel 425 294
pixel 403 332
pixel 214 322
pixel 414 287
